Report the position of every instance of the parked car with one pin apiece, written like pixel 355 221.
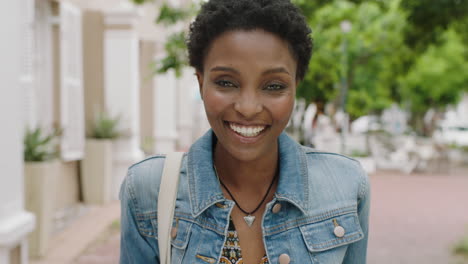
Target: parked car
pixel 452 133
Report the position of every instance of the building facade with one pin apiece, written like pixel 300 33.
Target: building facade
pixel 63 63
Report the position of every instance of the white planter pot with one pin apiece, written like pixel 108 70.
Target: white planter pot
pixel 458 156
pixel 367 163
pixel 96 171
pixel 40 180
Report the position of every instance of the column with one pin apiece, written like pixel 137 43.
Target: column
pixel 15 222
pixel 165 112
pixel 147 50
pixel 121 85
pixel 186 95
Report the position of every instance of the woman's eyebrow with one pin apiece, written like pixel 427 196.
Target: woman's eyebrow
pixel 269 71
pixel 276 70
pixel 223 68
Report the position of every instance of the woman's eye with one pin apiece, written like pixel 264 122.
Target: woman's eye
pixel 274 87
pixel 224 83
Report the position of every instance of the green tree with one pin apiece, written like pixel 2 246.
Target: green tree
pixel 437 78
pixel 427 21
pixel 375 54
pixel 175 48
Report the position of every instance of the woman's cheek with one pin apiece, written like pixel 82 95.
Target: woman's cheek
pixel 282 108
pixel 214 102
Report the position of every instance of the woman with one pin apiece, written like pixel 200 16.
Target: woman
pixel 247 192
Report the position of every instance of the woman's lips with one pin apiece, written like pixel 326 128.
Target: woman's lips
pixel 247 133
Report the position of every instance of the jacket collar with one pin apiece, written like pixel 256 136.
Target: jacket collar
pixel 205 189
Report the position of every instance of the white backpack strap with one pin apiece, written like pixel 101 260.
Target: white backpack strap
pixel 166 204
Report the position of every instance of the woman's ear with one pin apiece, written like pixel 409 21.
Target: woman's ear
pixel 200 82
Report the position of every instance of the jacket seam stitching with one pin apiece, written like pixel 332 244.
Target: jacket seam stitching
pixel 330 153
pixel 303 221
pixel 337 242
pixel 305 174
pixel 136 208
pixel 157 156
pixel 362 185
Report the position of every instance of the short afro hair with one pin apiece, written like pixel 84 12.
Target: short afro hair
pixel 279 17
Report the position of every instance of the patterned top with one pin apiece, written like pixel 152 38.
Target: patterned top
pixel 232 253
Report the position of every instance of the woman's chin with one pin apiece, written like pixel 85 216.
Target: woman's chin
pixel 250 153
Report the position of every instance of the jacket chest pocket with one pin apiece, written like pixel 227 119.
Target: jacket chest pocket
pixel 180 236
pixel 181 232
pixel 327 240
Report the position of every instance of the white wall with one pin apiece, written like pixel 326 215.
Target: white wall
pixel 11 110
pixel 14 222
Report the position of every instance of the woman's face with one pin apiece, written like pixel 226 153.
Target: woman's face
pixel 248 86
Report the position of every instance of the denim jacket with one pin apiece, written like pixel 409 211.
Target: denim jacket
pixel 319 192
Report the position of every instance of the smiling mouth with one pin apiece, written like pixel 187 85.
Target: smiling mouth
pixel 247 131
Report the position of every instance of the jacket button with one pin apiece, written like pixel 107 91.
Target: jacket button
pixel 339 231
pixel 221 205
pixel 284 259
pixel 174 232
pixel 276 208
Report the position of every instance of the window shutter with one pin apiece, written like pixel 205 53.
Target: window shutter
pixel 27 62
pixel 43 65
pixel 71 84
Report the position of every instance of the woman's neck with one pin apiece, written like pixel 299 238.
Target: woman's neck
pixel 245 176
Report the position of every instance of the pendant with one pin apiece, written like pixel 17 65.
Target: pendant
pixel 249 220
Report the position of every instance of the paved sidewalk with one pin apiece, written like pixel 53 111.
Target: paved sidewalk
pixel 417 218
pixel 414 219
pixel 105 251
pixel 76 238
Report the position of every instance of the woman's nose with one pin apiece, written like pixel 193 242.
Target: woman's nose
pixel 248 105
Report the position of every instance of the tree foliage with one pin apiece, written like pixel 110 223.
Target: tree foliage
pixel 374 54
pixel 170 15
pixel 427 21
pixel 438 76
pixel 176 55
pixel 407 52
pixel 175 49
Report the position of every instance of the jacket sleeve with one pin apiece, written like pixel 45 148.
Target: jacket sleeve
pixel 357 252
pixel 135 248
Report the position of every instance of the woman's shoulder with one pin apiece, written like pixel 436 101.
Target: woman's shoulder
pixel 147 171
pixel 339 160
pixel 336 168
pixel 148 163
pixel 141 184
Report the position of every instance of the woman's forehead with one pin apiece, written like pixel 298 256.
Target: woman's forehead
pixel 253 47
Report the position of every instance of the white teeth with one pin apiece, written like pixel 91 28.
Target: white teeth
pixel 250 131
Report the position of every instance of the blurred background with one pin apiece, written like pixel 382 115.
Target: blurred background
pixel 89 87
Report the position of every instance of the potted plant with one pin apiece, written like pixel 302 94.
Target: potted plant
pixel 40 177
pixel 96 167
